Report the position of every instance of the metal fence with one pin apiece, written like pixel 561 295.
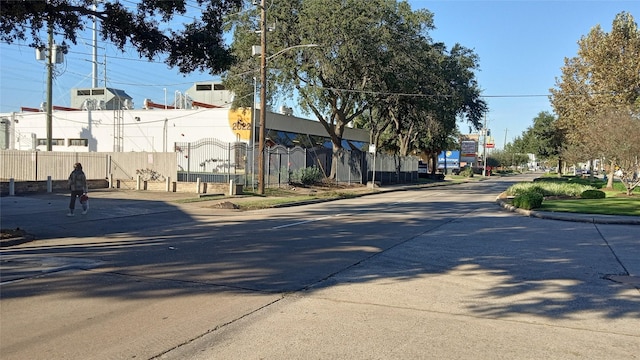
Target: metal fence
pixel 213 161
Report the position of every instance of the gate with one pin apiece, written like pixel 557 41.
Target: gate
pixel 212 160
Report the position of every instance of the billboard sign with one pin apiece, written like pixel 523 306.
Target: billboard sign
pixel 468 150
pixel 449 159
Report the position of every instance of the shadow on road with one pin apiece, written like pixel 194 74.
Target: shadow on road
pixel 313 247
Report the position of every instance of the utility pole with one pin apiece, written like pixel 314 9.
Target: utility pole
pixel 52 55
pixel 94 65
pixel 263 94
pixel 505 139
pixel 50 88
pixel 484 146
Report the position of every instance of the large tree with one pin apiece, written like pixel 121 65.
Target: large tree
pixel 544 139
pixel 603 77
pixel 371 55
pixel 615 136
pixel 144 24
pixel 337 80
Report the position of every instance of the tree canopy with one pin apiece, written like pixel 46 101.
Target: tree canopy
pixel 374 65
pixel 150 26
pixel 544 139
pixel 599 92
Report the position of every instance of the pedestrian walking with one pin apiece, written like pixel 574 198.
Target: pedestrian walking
pixel 78 187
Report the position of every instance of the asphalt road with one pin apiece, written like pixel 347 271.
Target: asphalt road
pixel 424 273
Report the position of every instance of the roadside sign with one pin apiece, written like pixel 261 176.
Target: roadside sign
pixel 468 148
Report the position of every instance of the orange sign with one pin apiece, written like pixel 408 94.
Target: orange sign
pixel 490 146
pixel 240 123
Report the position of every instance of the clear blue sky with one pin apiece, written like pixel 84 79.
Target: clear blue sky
pixel 521 45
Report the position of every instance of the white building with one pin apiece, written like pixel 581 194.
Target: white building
pixel 202 112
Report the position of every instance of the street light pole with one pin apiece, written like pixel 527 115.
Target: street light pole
pixel 263 94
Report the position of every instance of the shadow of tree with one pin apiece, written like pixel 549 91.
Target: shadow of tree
pixel 548 268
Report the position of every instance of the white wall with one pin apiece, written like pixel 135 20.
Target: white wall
pixel 154 130
pixel 142 130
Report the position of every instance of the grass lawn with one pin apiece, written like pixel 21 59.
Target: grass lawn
pixel 615 205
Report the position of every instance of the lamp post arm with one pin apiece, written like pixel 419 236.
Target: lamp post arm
pixel 289 48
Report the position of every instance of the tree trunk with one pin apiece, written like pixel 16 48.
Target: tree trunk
pixel 612 170
pixel 610 179
pixel 433 159
pixel 335 158
pixel 560 164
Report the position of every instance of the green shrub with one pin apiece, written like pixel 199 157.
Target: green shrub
pixel 593 182
pixel 522 188
pixel 549 188
pixel 593 194
pixel 528 200
pixel 467 172
pixel 547 178
pixel 538 190
pixel 307 176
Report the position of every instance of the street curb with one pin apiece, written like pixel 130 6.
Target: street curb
pixel 584 218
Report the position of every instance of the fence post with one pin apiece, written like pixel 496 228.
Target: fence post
pixel 110 181
pixel 167 183
pixel 12 187
pixel 138 180
pixel 36 179
pixel 267 153
pixel 279 169
pixel 338 163
pixel 198 186
pixel 188 162
pixel 228 161
pixel 288 165
pixel 49 184
pixel 349 167
pixel 107 169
